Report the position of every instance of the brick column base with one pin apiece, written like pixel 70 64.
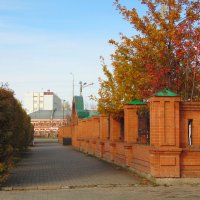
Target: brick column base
pixel 102 143
pixel 165 162
pixel 128 153
pixel 112 151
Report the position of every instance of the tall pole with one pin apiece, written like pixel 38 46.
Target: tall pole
pixel 83 85
pixel 72 85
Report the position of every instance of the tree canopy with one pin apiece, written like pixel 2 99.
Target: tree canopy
pixel 163 54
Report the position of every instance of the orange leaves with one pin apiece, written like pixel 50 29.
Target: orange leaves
pixel 161 55
pixel 164 54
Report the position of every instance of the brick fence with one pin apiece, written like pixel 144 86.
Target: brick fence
pixel 64 132
pixel 173 149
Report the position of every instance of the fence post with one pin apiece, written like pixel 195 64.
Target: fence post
pixel 103 133
pixel 131 128
pixel 165 134
pixel 114 136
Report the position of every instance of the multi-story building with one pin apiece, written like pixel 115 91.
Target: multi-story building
pixel 35 101
pixel 47 122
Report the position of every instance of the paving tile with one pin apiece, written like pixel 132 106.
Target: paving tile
pixel 51 171
pixel 50 164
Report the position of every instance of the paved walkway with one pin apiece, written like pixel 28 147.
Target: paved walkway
pixel 51 165
pixel 54 172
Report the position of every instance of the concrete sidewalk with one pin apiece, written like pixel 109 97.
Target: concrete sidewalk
pixel 107 193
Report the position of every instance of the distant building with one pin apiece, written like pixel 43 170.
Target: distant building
pixel 47 122
pixel 34 101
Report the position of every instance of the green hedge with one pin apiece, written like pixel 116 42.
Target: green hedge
pixel 16 130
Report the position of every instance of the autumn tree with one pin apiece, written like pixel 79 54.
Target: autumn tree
pixel 163 54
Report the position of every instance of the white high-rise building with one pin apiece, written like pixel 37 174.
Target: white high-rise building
pixel 34 101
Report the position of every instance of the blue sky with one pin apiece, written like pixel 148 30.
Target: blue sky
pixel 42 41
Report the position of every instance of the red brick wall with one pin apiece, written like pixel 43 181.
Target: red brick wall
pixel 120 154
pixel 75 139
pixel 130 123
pixel 103 135
pixel 190 110
pixel 190 157
pixel 165 162
pixel 96 127
pixel 168 154
pixel 64 132
pixel 141 158
pixel 165 136
pixel 98 149
pixel 106 153
pixel 164 121
pixel 190 162
pixel 114 130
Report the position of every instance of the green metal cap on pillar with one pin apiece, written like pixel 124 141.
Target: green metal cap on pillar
pixel 136 102
pixel 165 93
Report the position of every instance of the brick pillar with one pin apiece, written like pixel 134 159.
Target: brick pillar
pixel 96 127
pixel 130 124
pixel 114 137
pixel 103 127
pixel 131 121
pixel 75 142
pixel 79 133
pixel 95 133
pixel 114 130
pixel 165 134
pixel 89 133
pixel 83 135
pixel 103 132
pixel 131 127
pixel 128 153
pixel 89 129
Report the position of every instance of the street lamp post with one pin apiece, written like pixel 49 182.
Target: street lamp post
pixel 83 85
